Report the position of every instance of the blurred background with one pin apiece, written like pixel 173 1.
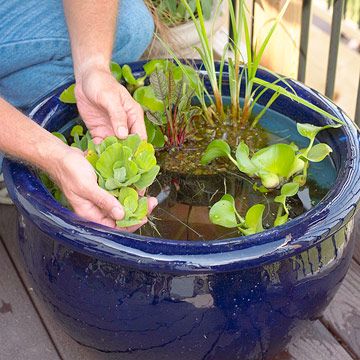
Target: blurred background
pixel 317 43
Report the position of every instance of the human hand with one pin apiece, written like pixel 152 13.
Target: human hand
pixel 77 179
pixel 106 107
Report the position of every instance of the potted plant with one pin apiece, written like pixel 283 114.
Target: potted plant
pixel 174 25
pixel 257 187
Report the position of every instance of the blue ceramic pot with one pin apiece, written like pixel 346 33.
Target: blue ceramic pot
pixel 241 298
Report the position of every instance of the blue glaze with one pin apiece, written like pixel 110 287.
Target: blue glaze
pixel 240 298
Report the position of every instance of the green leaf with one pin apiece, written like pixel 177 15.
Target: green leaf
pixel 253 219
pixel 150 130
pixel 142 209
pixel 68 95
pixel 281 219
pixel 216 149
pixel 310 131
pixel 128 75
pixel 280 199
pixel 158 64
pixel 242 158
pixel 290 189
pixel 131 180
pixel 115 69
pixel 300 179
pixel 108 158
pixel 318 152
pixel 110 140
pixel 120 174
pixel 77 130
pixel 92 157
pixel 147 178
pixel 159 84
pixel 189 74
pixel 129 193
pixel 276 159
pixel 135 209
pixel 132 141
pixel 223 212
pixel 159 139
pixel 155 118
pixel 60 136
pixel 145 96
pixel 112 184
pixel 101 181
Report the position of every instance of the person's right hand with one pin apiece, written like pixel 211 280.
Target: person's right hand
pixel 77 179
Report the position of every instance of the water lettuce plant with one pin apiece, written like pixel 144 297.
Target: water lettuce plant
pixel 123 168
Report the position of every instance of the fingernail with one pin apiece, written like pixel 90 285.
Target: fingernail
pixel 122 132
pixel 117 213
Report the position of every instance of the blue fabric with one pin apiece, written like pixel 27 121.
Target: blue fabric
pixel 35 47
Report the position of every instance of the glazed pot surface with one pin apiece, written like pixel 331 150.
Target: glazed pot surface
pixel 241 298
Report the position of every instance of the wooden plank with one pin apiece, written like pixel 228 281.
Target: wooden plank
pixel 343 314
pixel 22 334
pixel 315 343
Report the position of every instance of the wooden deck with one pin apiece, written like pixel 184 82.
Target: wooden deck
pixel 27 332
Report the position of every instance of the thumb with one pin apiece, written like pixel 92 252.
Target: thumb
pixel 107 203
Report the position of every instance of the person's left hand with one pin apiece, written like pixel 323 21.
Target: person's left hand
pixel 106 106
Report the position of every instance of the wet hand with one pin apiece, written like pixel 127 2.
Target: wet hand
pixel 77 179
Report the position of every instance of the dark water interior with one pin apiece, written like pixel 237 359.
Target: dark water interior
pixel 185 198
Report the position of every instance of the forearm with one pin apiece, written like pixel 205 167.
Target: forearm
pixel 91 25
pixel 24 139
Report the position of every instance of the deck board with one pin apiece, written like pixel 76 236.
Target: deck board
pixel 22 334
pixel 316 343
pixel 343 314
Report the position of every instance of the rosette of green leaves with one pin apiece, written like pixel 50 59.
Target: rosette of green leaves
pixel 224 213
pixel 124 163
pixel 135 208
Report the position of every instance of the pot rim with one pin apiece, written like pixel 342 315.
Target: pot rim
pixel 299 234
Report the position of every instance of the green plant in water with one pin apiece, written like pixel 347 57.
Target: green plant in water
pixel 287 190
pixel 167 101
pixel 278 165
pixel 274 164
pixel 123 167
pixel 135 208
pixel 122 163
pixel 224 213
